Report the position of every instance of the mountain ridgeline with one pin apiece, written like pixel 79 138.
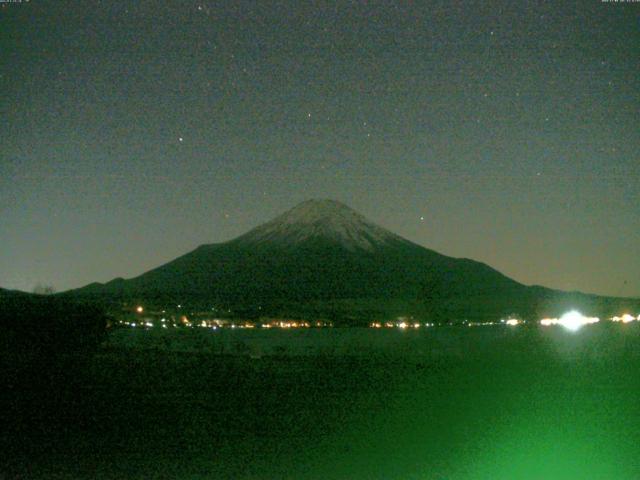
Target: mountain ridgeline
pixel 323 260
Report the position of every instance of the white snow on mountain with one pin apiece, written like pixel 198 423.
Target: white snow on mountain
pixel 322 219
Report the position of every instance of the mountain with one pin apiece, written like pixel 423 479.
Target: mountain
pixel 10 295
pixel 322 259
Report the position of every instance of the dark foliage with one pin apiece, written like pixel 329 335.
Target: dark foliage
pixel 46 343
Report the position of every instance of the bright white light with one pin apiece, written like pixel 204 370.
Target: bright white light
pixel 571 321
pixel 139 309
pixel 574 320
pixel 512 322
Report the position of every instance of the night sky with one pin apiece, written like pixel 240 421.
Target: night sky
pixel 134 131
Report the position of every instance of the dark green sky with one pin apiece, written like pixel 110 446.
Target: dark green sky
pixel 507 132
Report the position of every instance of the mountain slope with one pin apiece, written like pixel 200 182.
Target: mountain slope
pixel 323 259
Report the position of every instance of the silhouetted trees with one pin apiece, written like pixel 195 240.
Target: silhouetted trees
pixel 41 289
pixel 46 343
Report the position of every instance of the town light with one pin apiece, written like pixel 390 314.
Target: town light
pixel 573 320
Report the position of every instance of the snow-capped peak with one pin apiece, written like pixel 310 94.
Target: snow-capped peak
pixel 322 219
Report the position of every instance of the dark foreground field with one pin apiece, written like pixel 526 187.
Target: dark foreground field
pixel 476 403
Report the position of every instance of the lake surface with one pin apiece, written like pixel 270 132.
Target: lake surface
pixel 438 403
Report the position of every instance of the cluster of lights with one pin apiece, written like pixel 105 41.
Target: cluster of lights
pixel 216 324
pixel 295 324
pixel 403 325
pixel 572 320
pixel 408 325
pixel 287 324
pixel 626 318
pixel 482 324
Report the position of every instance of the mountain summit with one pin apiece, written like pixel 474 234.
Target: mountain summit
pixel 324 220
pixel 321 259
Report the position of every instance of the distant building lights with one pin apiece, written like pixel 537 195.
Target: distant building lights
pixel 626 318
